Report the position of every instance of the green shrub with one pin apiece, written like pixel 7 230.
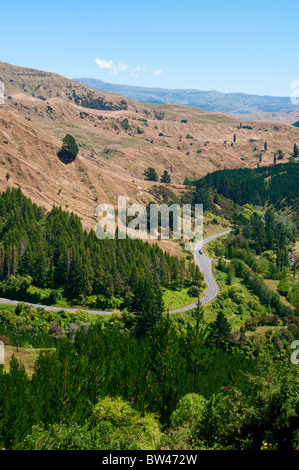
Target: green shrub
pixel 194 291
pixel 189 410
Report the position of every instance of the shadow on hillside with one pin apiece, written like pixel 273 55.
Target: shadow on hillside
pixel 65 156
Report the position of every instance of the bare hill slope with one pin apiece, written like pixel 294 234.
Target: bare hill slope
pixel 118 139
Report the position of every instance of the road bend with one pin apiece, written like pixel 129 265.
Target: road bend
pixel 202 260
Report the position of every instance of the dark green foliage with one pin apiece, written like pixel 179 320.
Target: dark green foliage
pixel 100 386
pixel 258 287
pixel 270 184
pixel 115 425
pixel 125 124
pixel 152 371
pixel 266 416
pixel 147 304
pixel 46 256
pixel 69 151
pixel 187 181
pixel 151 174
pixel 89 101
pixel 196 346
pixel 231 272
pixel 165 178
pixel 222 265
pixel 221 330
pixel 267 234
pixel 38 327
pixel 203 196
pixel 194 291
pixel 78 390
pixel 15 404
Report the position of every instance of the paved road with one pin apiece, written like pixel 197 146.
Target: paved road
pixel 203 262
pixel 205 265
pixel 54 309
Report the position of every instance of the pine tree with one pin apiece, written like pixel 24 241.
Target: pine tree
pixel 16 411
pixel 165 178
pixel 151 174
pixel 69 150
pixel 221 330
pixel 147 304
pixel 222 265
pixel 231 274
pixel 166 367
pixel 196 350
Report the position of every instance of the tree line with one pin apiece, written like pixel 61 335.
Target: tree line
pixel 53 251
pixel 108 367
pixel 272 184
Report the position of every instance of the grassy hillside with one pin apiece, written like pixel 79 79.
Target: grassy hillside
pixel 118 140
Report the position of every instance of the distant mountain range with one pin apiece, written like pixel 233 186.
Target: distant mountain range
pixel 229 103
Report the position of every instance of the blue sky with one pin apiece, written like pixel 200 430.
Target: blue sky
pixel 235 46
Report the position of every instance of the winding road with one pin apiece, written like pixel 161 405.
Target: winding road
pixel 202 260
pixel 205 265
pixel 54 309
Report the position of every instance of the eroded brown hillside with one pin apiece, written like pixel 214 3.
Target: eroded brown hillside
pixel 117 142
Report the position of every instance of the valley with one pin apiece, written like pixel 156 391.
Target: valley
pixel 117 142
pixel 107 346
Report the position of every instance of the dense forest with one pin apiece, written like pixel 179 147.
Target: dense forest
pixel 217 377
pixel 47 256
pixel 261 247
pixel 275 184
pixel 182 385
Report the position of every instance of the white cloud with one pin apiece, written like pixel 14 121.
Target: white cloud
pixel 120 67
pixel 116 67
pixel 136 70
pixel 110 65
pixel 104 64
pixel 139 68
